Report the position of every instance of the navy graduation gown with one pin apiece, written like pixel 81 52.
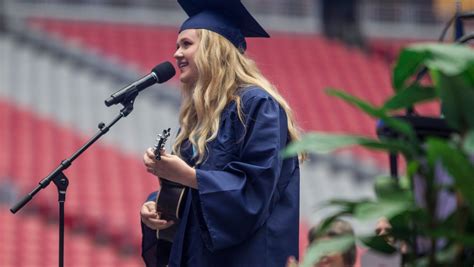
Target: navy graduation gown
pixel 154 252
pixel 245 211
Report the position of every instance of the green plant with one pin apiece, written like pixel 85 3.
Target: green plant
pixel 451 70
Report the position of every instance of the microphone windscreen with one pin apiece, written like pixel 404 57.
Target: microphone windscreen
pixel 164 71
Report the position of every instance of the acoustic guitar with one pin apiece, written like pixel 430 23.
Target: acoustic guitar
pixel 171 196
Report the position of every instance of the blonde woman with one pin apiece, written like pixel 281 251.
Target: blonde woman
pixel 242 206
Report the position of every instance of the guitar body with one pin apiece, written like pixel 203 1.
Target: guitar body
pixel 169 204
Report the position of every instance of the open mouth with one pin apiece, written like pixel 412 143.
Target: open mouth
pixel 181 65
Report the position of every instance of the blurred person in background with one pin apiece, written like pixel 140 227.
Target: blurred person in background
pixel 341 21
pixel 242 206
pixel 338 228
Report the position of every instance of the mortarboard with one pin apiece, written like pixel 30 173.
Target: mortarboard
pixel 228 18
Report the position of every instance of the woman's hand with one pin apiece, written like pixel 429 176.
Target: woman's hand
pixel 151 218
pixel 170 167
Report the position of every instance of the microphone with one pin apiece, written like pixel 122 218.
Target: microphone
pixel 159 74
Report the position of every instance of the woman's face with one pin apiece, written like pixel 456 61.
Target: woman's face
pixel 186 47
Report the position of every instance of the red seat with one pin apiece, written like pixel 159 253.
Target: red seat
pixel 28 240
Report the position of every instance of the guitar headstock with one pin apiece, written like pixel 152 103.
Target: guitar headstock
pixel 161 141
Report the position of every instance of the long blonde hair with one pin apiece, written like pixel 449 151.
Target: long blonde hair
pixel 222 71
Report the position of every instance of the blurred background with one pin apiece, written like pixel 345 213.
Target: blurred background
pixel 59 61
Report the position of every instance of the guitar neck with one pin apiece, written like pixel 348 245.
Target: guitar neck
pixel 168 182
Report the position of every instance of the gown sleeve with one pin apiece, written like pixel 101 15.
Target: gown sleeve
pixel 235 200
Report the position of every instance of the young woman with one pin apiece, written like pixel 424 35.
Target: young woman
pixel 242 206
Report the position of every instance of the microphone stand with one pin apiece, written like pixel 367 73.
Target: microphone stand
pixel 62 182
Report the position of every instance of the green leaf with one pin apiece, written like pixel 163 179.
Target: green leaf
pixel 405 182
pixel 412 167
pixel 387 208
pixel 408 97
pixel 456 163
pixel 469 75
pixel 322 143
pixel 457 99
pixel 346 205
pixel 403 225
pixel 357 102
pixel 421 261
pixel 450 59
pixel 389 145
pixel 407 65
pixel 375 112
pixel 447 255
pixel 378 243
pixel 387 188
pixel 400 126
pixel 468 144
pixel 325 247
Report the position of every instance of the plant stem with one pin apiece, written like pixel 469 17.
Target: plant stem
pixel 461 218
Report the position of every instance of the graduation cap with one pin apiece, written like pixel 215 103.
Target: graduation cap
pixel 228 18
